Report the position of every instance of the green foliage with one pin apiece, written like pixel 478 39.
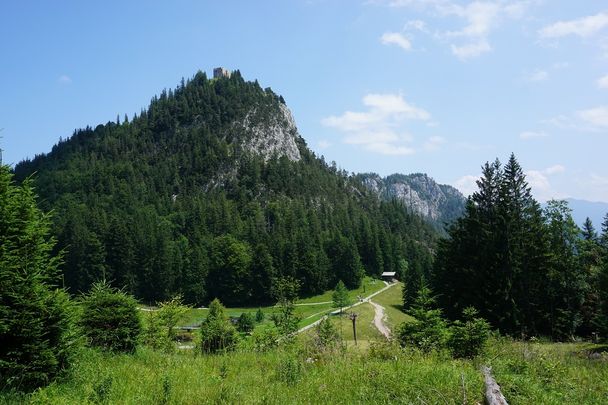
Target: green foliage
pixel 527 271
pixel 327 336
pixel 110 319
pixel 38 337
pixel 265 339
pixel 246 323
pixel 217 333
pixel 172 202
pixel 285 291
pixel 259 316
pixel 468 338
pixel 413 280
pixel 428 331
pixel 160 330
pixel 346 262
pixel 340 296
pixel 101 391
pixel 289 370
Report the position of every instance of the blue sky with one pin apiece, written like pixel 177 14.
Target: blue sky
pixel 435 86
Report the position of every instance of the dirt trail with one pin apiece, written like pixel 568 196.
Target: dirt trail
pixel 364 300
pixel 379 319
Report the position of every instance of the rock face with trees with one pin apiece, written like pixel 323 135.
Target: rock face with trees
pixel 211 193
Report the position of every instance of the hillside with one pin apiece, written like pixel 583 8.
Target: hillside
pixel 212 192
pixel 440 204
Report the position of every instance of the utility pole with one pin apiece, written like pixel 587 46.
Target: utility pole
pixel 353 317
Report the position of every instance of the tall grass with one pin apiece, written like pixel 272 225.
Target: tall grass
pixel 278 377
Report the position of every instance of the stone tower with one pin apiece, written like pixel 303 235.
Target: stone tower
pixel 220 72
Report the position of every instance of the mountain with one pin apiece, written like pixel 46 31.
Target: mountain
pixel 581 209
pixel 439 203
pixel 211 192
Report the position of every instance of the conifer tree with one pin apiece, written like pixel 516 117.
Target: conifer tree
pixel 340 296
pixel 37 322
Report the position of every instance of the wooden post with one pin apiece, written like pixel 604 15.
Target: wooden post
pixel 353 317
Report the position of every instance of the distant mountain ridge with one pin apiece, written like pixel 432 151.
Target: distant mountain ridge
pixel 439 203
pixel 581 209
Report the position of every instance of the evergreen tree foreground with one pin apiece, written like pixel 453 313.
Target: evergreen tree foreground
pixel 38 337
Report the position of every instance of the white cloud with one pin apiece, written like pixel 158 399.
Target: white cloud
pixel 64 79
pixel 395 38
pixel 555 169
pixel 417 25
pixel 480 16
pixel 471 50
pixel 602 82
pixel 467 184
pixel 596 117
pixel 590 120
pixel 539 181
pixel 389 149
pixel 380 128
pixel 582 27
pixel 481 19
pixel 538 75
pixel 532 134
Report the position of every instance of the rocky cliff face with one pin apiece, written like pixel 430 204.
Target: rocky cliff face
pixel 439 203
pixel 269 133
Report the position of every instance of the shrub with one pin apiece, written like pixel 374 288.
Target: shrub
pixel 110 319
pixel 38 334
pixel 259 316
pixel 327 336
pixel 285 291
pixel 217 333
pixel 160 330
pixel 429 330
pixel 246 323
pixel 468 338
pixel 265 339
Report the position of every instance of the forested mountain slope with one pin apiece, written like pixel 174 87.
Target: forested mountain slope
pixel 211 192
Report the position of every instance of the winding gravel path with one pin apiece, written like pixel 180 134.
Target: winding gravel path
pixel 364 300
pixel 379 319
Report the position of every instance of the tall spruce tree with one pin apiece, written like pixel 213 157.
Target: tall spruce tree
pixel 37 332
pixel 495 256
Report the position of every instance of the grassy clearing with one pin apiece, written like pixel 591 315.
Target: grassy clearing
pixel 277 377
pixel 368 286
pixel 392 301
pixel 550 373
pixel 366 331
pixel 314 309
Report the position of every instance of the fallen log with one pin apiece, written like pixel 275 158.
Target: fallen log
pixel 493 394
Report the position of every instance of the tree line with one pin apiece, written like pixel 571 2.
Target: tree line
pixel 529 271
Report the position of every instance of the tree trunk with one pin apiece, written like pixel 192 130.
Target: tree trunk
pixel 493 394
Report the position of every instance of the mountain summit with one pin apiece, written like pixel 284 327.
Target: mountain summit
pixel 211 192
pixel 441 204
